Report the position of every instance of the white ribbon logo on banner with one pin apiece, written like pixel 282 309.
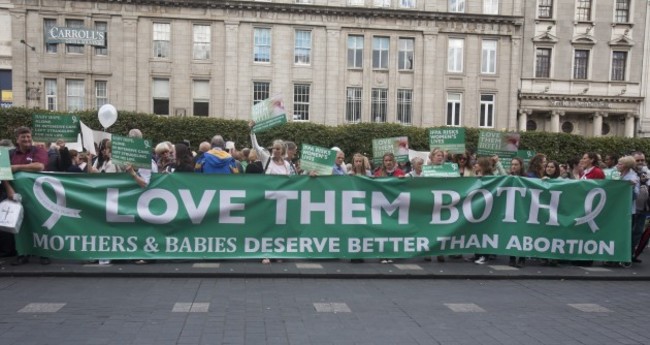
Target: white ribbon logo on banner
pixel 590 213
pixel 57 208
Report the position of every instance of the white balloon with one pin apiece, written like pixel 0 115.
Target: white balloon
pixel 107 115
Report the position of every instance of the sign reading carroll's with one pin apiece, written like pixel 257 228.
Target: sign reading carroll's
pixel 75 36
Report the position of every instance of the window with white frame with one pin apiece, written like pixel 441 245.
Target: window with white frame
pixel 50 94
pixel 355 51
pixel 380 47
pixel 356 2
pixel 622 14
pixel 619 61
pixel 379 105
pixel 353 104
pixel 302 47
pixel 491 6
pixel 381 3
pixel 405 54
pixel 489 57
pixel 407 3
pixel 161 40
pixel 50 47
pixel 161 96
pixel 74 90
pixel 262 45
pixel 453 109
pixel 404 106
pixel 486 118
pixel 202 38
pixel 101 93
pixel 581 64
pixel 201 98
pixel 74 48
pixel 455 55
pixel 261 91
pixel 583 11
pixel 545 9
pixel 301 102
pixel 102 26
pixel 543 63
pixel 456 5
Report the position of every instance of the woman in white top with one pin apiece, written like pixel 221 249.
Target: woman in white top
pixel 104 163
pixel 276 164
pixel 416 167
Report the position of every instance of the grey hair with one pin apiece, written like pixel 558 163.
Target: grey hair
pixel 217 141
pixel 417 159
pixel 135 133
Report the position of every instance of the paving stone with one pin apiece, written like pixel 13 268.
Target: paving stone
pixel 464 307
pixel 590 308
pixel 332 308
pixel 42 308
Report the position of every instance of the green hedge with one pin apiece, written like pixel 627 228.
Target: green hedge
pixel 350 138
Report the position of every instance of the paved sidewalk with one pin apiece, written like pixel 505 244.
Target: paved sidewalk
pixel 400 269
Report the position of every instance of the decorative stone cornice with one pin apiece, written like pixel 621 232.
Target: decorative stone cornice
pixel 574 98
pixel 328 10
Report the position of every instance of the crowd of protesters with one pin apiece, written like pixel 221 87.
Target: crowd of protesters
pixel 222 157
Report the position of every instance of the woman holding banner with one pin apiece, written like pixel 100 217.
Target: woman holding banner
pixel 388 167
pixel 360 165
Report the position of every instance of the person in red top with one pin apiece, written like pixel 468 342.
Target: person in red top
pixel 590 169
pixel 389 167
pixel 27 157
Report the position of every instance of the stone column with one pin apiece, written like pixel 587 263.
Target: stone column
pixel 231 70
pixel 523 119
pixel 598 123
pixel 334 111
pixel 629 124
pixel 555 120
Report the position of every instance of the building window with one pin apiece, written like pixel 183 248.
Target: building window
pixel 379 105
pixel 262 42
pixel 491 6
pixel 407 3
pixel 405 57
pixel 201 98
pixel 404 106
pixel 356 2
pixel 455 55
pixel 489 57
pixel 261 91
pixel 353 105
pixel 74 48
pixel 543 63
pixel 50 94
pixel 74 90
pixel 381 3
pixel 622 11
pixel 50 47
pixel 161 96
pixel 567 127
pixel 456 5
pixel 605 129
pixel 619 61
pixel 581 64
pixel 487 111
pixel 301 102
pixel 531 126
pixel 583 11
pixel 102 26
pixel 302 48
pixel 355 51
pixel 202 37
pixel 101 93
pixel 453 109
pixel 545 9
pixel 380 52
pixel 161 40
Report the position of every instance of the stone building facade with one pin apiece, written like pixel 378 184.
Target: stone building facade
pixel 421 63
pixel 582 67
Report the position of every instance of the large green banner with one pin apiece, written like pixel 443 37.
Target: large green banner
pixel 89 216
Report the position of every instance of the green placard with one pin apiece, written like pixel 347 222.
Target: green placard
pixel 502 144
pixel 268 113
pixel 450 139
pixel 191 216
pixel 5 165
pixel 442 170
pixel 612 174
pixel 318 159
pixel 399 146
pixel 134 151
pixel 525 155
pixel 52 127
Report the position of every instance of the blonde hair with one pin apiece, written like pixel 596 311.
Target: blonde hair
pixel 628 162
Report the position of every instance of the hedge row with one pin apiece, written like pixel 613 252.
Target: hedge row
pixel 350 138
